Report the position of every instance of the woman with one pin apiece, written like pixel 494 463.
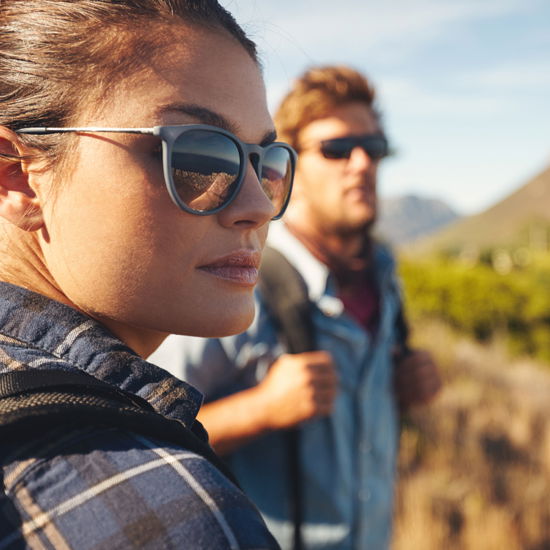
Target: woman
pixel 137 179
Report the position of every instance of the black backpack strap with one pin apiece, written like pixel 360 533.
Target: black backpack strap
pixel 286 298
pixel 32 401
pixel 402 331
pixel 23 381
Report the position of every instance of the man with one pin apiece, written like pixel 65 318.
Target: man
pixel 345 398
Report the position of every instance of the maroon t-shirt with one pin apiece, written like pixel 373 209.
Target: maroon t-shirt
pixel 356 285
pixel 363 304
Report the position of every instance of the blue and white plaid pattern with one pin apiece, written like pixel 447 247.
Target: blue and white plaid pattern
pixel 107 487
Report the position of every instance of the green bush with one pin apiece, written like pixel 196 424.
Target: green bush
pixel 477 300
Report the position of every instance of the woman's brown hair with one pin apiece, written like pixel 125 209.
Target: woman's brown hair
pixel 55 54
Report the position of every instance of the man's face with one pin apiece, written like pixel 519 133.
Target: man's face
pixel 338 195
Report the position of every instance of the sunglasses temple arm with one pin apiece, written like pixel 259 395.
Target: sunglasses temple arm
pixel 52 130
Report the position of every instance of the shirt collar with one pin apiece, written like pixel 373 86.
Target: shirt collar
pixel 37 332
pixel 314 272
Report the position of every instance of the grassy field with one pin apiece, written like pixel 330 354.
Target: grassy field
pixel 474 466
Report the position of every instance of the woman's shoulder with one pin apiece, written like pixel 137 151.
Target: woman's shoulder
pixel 144 493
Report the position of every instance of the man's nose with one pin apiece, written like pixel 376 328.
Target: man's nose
pixel 359 159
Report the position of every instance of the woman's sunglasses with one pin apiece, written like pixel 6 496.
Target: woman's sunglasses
pixel 375 145
pixel 204 166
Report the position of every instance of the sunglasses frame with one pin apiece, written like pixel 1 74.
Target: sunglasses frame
pixel 169 134
pixel 356 141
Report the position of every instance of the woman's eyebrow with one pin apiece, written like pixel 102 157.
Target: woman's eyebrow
pixel 207 116
pixel 202 114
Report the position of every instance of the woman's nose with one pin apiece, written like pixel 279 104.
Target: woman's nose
pixel 251 207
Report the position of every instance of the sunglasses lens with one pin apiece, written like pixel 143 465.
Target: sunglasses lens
pixel 205 169
pixel 337 148
pixel 375 146
pixel 276 178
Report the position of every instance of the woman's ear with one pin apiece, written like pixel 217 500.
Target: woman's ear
pixel 19 204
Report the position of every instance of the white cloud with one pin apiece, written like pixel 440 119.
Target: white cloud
pixel 401 95
pixel 520 75
pixel 321 29
pixel 293 35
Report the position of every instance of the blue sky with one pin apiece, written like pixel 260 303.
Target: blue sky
pixel 464 85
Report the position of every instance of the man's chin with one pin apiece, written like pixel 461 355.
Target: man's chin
pixel 356 226
pixel 362 218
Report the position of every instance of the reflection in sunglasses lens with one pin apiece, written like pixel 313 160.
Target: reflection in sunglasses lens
pixel 205 166
pixel 276 176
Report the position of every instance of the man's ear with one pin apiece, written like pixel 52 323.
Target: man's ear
pixel 19 204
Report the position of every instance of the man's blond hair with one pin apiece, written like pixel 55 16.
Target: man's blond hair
pixel 315 94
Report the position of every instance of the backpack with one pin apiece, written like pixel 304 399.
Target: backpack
pixel 33 401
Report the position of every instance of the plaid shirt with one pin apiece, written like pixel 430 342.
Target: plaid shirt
pixel 108 487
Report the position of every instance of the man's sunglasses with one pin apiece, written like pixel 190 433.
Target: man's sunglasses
pixel 375 145
pixel 204 166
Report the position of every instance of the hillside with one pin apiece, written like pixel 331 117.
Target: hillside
pixel 522 218
pixel 407 218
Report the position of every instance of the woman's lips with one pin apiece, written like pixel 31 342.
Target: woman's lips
pixel 239 267
pixel 243 275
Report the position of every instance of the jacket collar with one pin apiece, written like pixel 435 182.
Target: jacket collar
pixel 37 332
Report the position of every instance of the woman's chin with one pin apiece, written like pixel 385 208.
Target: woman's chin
pixel 225 323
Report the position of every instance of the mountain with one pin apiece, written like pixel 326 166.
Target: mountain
pixel 405 219
pixel 520 219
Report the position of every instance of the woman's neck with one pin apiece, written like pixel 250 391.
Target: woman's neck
pixel 22 264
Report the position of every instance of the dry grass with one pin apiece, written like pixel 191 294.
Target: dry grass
pixel 475 465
